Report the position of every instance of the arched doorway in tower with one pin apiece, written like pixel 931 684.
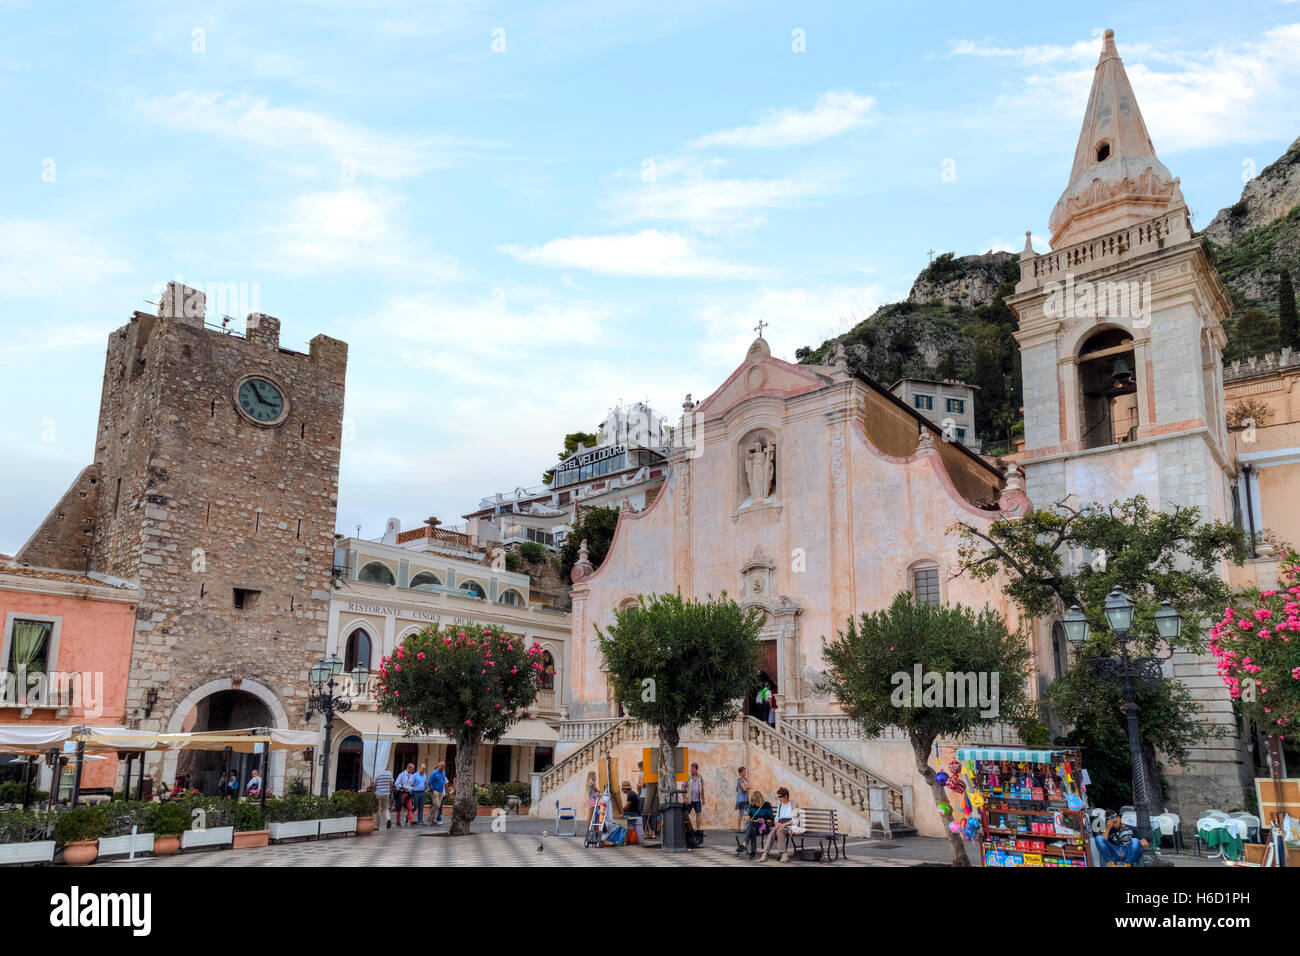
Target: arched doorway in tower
pixel 224 710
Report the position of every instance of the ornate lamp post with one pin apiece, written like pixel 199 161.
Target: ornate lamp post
pixel 1119 616
pixel 328 699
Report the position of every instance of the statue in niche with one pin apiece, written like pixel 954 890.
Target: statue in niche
pixel 760 469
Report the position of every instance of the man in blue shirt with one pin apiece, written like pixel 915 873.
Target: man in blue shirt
pixel 437 787
pixel 419 780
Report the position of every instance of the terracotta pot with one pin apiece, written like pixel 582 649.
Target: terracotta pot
pixel 166 845
pixel 365 825
pixel 245 839
pixel 81 852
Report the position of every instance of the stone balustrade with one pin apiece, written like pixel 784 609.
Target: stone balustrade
pixel 1139 238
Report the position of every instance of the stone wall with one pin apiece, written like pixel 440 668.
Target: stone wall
pixel 66 537
pixel 196 501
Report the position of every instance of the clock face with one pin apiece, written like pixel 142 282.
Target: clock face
pixel 261 400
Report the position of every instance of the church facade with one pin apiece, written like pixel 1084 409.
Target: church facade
pixel 816 496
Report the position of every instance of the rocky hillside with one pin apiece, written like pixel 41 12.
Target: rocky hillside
pixel 955 323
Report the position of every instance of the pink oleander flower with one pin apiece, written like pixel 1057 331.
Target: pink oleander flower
pixel 398 666
pixel 420 656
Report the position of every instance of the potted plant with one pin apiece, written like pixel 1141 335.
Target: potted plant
pixel 127 830
pixel 295 817
pixel 78 831
pixel 366 805
pixel 24 837
pixel 167 821
pixel 339 813
pixel 250 826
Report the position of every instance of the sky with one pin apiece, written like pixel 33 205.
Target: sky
pixel 519 214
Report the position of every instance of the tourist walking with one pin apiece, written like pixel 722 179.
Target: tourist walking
pixel 771 713
pixel 695 786
pixel 404 795
pixel 780 833
pixel 742 799
pixel 419 780
pixel 437 789
pixel 383 784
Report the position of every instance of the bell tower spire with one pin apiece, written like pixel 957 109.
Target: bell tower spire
pixel 1116 179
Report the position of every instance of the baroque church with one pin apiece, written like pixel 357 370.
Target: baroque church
pixel 816 495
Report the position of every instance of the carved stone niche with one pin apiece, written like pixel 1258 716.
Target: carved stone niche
pixel 758 468
pixel 758 577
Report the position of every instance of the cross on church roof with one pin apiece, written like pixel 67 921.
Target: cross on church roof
pixel 760 327
pixel 930 253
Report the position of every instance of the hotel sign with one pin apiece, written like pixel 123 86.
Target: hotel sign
pixel 596 454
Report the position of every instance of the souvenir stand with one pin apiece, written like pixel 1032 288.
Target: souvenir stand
pixel 1034 809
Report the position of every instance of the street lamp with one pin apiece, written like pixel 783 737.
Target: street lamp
pixel 327 700
pixel 1118 609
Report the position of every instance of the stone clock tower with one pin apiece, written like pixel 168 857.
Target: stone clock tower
pixel 214 486
pixel 1120 331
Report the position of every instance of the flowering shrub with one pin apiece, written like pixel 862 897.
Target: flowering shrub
pixel 452 679
pixel 468 681
pixel 1257 643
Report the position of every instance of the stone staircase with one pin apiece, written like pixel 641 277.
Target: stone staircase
pixel 848 783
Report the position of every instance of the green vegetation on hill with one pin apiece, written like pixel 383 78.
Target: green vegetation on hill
pixel 937 341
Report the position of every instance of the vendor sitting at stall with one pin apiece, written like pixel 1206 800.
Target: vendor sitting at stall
pixel 1116 844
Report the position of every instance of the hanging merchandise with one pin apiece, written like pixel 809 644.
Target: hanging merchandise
pixel 1026 805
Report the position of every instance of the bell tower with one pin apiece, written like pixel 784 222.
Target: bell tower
pixel 1120 331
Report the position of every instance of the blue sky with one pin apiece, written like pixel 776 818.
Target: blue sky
pixel 601 208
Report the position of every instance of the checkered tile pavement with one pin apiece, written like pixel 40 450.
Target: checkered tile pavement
pixel 433 847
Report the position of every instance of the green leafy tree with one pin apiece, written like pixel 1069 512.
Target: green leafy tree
pixel 467 681
pixel 871 665
pixel 1288 325
pixel 672 661
pixel 1152 556
pixel 596 527
pixel 571 442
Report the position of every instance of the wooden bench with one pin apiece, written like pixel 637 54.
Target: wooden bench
pixel 822 826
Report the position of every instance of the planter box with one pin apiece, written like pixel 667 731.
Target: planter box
pixel 248 839
pixel 216 836
pixel 121 845
pixel 337 825
pixel 295 829
pixel 39 852
pixel 487 811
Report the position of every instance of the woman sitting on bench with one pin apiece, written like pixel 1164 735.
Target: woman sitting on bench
pixel 780 826
pixel 760 820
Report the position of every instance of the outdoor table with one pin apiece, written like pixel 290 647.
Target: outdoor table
pixel 1225 834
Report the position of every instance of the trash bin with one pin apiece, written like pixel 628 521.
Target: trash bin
pixel 674 831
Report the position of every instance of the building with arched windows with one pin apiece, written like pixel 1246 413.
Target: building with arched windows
pixel 385 590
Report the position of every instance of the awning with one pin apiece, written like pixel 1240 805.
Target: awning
pixel 530 732
pixel 1015 756
pixel 32 739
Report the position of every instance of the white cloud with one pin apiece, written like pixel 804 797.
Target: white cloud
pixel 41 258
pixel 1241 93
pixel 690 191
pixel 296 134
pixel 1084 51
pixel 348 230
pixel 797 316
pixel 649 253
pixel 835 113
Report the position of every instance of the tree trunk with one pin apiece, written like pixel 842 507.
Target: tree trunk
pixel 669 738
pixel 921 749
pixel 465 809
